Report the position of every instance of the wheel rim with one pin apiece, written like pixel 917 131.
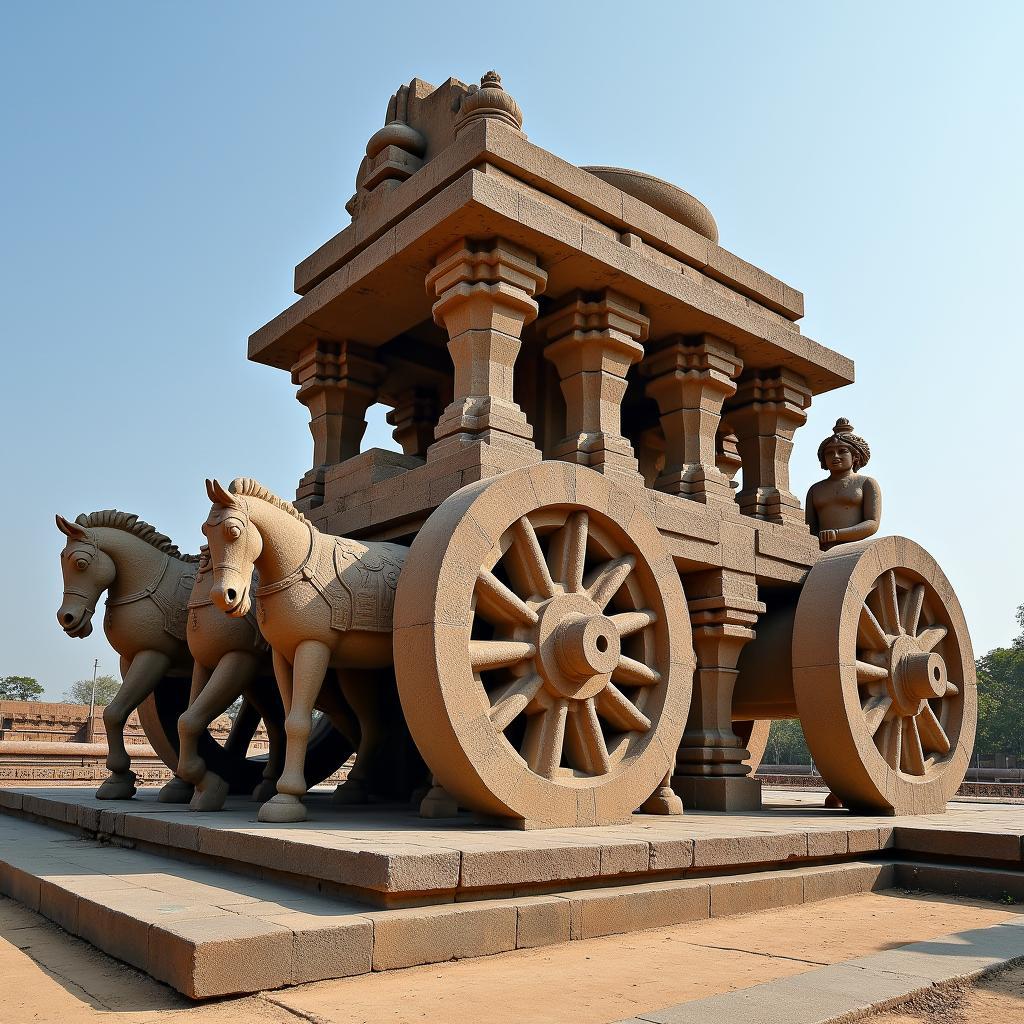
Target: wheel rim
pixel 909 703
pixel 884 677
pixel 542 648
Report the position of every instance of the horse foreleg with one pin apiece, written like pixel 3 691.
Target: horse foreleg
pixel 362 695
pixel 243 728
pixel 234 673
pixel 268 703
pixel 144 673
pixel 181 790
pixel 307 676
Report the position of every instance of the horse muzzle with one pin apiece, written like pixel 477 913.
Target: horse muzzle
pixel 231 599
pixel 75 621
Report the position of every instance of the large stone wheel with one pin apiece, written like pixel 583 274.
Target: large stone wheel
pixel 543 649
pixel 328 750
pixel 890 711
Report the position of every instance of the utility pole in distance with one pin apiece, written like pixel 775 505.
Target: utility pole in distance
pixel 92 699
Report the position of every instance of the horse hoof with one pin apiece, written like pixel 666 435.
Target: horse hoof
pixel 265 790
pixel 117 787
pixel 282 809
pixel 210 794
pixel 351 791
pixel 177 791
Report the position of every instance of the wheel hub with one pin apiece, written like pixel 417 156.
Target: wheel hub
pixel 915 676
pixel 578 646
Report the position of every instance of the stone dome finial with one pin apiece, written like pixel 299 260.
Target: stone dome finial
pixel 489 100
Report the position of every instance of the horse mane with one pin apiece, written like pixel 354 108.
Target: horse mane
pixel 249 488
pixel 128 522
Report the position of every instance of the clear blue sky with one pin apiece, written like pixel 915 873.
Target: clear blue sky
pixel 166 164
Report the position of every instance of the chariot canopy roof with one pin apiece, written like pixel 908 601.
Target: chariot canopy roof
pixel 452 163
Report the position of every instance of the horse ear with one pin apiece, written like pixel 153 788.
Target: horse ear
pixel 218 495
pixel 69 529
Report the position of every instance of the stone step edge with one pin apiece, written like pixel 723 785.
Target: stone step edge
pixel 204 956
pixel 854 989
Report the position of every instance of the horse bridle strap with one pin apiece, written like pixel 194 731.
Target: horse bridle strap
pixel 295 575
pixel 140 594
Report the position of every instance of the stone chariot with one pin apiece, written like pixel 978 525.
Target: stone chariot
pixel 601 587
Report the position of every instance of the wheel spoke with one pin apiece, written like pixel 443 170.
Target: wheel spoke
pixel 632 622
pixel 620 711
pixel 867 673
pixel 890 603
pixel 910 609
pixel 486 654
pixel 531 557
pixel 913 755
pixel 604 581
pixel 888 741
pixel 634 673
pixel 545 735
pixel 933 736
pixel 929 639
pixel 512 699
pixel 875 711
pixel 586 741
pixel 951 689
pixel 869 633
pixel 495 599
pixel 567 552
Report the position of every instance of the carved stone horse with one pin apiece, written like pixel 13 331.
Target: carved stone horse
pixel 148 582
pixel 323 602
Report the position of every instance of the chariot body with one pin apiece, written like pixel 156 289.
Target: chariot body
pixel 610 589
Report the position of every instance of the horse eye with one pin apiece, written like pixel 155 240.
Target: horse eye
pixel 81 563
pixel 233 532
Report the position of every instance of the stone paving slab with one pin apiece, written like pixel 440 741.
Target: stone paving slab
pixel 209 931
pixel 844 991
pixel 390 856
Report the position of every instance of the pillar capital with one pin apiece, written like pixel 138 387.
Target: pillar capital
pixel 484 297
pixel 690 377
pixel 338 381
pixel 768 408
pixel 593 339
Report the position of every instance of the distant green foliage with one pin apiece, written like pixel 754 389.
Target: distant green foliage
pixel 20 688
pixel 106 687
pixel 786 744
pixel 1001 698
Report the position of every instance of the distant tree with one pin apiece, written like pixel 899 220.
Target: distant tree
pixel 786 744
pixel 1001 697
pixel 106 687
pixel 20 688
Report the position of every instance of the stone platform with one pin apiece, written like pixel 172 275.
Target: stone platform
pixel 217 903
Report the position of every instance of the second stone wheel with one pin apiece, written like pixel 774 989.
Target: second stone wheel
pixel 543 648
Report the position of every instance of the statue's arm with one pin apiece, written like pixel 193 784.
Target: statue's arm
pixel 810 512
pixel 872 515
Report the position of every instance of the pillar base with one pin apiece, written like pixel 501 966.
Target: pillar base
pixel 718 793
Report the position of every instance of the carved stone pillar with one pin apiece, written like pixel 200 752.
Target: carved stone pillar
pixel 413 417
pixel 485 297
pixel 710 773
pixel 338 382
pixel 690 378
pixel 768 408
pixel 594 339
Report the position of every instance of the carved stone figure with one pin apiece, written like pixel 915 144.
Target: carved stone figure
pixel 848 505
pixel 323 602
pixel 148 581
pixel 158 617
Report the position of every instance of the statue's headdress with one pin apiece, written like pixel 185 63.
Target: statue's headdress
pixel 843 433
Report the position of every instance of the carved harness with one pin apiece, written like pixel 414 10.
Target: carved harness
pixel 195 601
pixel 170 595
pixel 357 582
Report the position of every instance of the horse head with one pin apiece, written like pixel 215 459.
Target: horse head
pixel 88 571
pixel 235 544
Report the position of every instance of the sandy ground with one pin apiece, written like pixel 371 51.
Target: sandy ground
pixel 46 975
pixel 995 1000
